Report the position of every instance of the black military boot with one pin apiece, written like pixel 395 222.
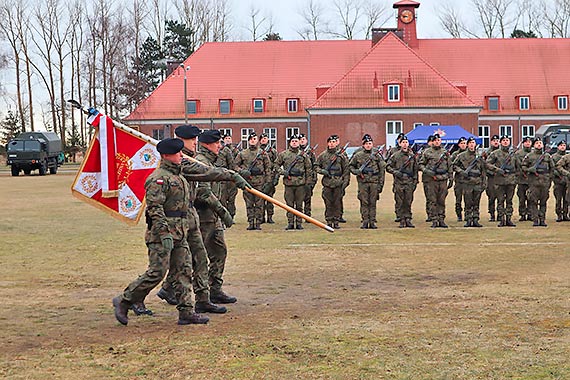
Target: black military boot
pixel 298 226
pixel 475 223
pixel 290 226
pixel 509 222
pixel 209 307
pixel 492 217
pixel 262 220
pixel 459 217
pixel 535 223
pixel 398 219
pixel 187 317
pixel 140 309
pixel 270 219
pixel 251 226
pixel 364 225
pixel 442 224
pixel 336 226
pixel 468 223
pixel 341 220
pixel 542 223
pixel 167 296
pixel 409 223
pixel 402 223
pixel 522 218
pixel 559 218
pixel 435 224
pixel 257 225
pixel 565 217
pixel 502 222
pixel 221 297
pixel 121 310
pixel 372 226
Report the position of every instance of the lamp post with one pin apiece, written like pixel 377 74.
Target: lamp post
pixel 186 69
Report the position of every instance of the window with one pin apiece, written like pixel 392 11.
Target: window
pixel 225 106
pixel 290 132
pixel 258 105
pixel 527 131
pixel 506 130
pixel 434 124
pixel 244 135
pixel 493 103
pixel 393 128
pixel 524 103
pixel 192 107
pixel 226 131
pixel 292 105
pixel 158 134
pixel 393 92
pixel 562 103
pixel 484 133
pixel 272 134
pixel 417 125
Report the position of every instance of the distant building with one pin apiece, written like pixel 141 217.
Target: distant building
pixel 382 87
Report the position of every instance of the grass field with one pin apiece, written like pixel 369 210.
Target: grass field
pixel 489 303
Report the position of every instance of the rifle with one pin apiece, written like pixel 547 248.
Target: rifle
pixel 409 160
pixel 367 162
pixel 336 156
pixel 440 160
pixel 539 161
pixel 510 157
pixel 292 165
pixel 259 154
pixel 308 149
pixel 237 148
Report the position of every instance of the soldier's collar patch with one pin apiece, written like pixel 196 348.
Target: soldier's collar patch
pixel 160 181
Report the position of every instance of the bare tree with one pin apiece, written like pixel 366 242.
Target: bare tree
pixel 450 20
pixel 348 12
pixel 556 15
pixel 313 22
pixel 376 15
pixel 530 17
pixel 259 25
pixel 221 26
pixel 75 44
pixel 23 24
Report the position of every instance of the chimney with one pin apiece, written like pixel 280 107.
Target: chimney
pixel 321 89
pixel 407 21
pixel 379 33
pixel 461 87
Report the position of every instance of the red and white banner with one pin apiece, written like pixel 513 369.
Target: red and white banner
pixel 115 169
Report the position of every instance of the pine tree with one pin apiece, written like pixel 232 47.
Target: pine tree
pixel 177 44
pixel 10 128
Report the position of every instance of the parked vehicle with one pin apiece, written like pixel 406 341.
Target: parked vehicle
pixel 551 134
pixel 34 150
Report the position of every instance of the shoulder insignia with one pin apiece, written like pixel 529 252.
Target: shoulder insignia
pixel 160 181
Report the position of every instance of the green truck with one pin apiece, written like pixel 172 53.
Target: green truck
pixel 34 150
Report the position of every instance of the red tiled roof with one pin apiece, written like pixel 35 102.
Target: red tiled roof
pixel 241 71
pixel 391 61
pixel 505 67
pixel 406 2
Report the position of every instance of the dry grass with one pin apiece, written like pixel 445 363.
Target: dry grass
pixel 461 303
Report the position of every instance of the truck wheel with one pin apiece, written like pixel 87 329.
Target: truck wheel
pixel 53 169
pixel 15 171
pixel 27 171
pixel 43 169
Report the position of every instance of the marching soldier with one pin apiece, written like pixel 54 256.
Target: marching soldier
pixel 334 168
pixel 469 171
pixel 404 167
pixel 505 167
pixel 226 159
pixel 255 167
pixel 436 168
pixel 522 182
pixel 269 187
pixel 459 182
pixel 369 168
pixel 560 184
pixel 309 187
pixel 563 167
pixel 297 171
pixel 538 166
pixel 425 183
pixel 492 197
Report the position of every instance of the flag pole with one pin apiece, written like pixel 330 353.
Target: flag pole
pixel 150 140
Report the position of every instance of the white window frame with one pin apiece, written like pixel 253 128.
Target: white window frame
pixel 272 135
pixel 562 102
pixel 245 132
pixel 527 131
pixel 485 135
pixel 418 125
pixel 393 92
pixel 226 131
pixel 506 130
pixel 292 105
pixel 258 105
pixel 290 131
pixel 393 124
pixel 434 124
pixel 229 102
pixel 524 103
pixel 158 134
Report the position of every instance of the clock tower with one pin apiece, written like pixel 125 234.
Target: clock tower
pixel 407 21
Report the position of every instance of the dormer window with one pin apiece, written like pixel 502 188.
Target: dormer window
pixel 562 102
pixel 225 106
pixel 524 103
pixel 292 105
pixel 258 105
pixel 393 92
pixel 493 103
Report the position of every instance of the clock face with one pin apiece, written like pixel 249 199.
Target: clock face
pixel 406 16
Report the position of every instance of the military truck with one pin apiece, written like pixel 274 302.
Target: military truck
pixel 551 134
pixel 34 150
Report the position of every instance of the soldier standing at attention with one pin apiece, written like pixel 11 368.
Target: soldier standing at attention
pixel 334 167
pixel 425 183
pixel 560 184
pixel 167 205
pixel 310 186
pixel 522 183
pixel 269 187
pixel 563 167
pixel 404 167
pixel 253 164
pixel 297 171
pixel 470 170
pixel 492 197
pixel 503 163
pixel 229 189
pixel 369 168
pixel 436 167
pixel 346 178
pixel 538 166
pixel 459 182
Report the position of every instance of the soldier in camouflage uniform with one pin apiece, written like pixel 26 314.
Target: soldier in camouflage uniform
pixel 522 181
pixel 253 164
pixel 505 167
pixel 369 168
pixel 167 205
pixel 425 183
pixel 491 196
pixel 310 186
pixel 560 184
pixel 404 167
pixel 269 187
pixel 436 167
pixel 226 160
pixel 297 171
pixel 346 182
pixel 539 168
pixel 334 168
pixel 459 182
pixel 563 168
pixel 470 171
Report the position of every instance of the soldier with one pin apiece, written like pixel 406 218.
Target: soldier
pixel 505 167
pixel 436 168
pixel 395 148
pixel 469 171
pixel 334 168
pixel 167 205
pixel 522 182
pixel 404 167
pixel 309 187
pixel 269 187
pixel 538 166
pixel 255 167
pixel 226 160
pixel 563 168
pixel 297 171
pixel 560 184
pixel 459 182
pixel 346 178
pixel 425 183
pixel 492 197
pixel 369 168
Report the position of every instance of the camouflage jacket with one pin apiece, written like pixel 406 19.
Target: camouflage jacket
pixel 225 158
pixel 557 175
pixel 542 163
pixel 563 166
pixel 272 156
pixel 195 172
pixel 313 159
pixel 486 155
pixel 337 167
pixel 375 169
pixel 435 164
pixel 257 163
pixel 295 166
pixel 505 160
pixel 405 163
pixel 476 165
pixel 167 192
pixel 452 159
pixel 519 156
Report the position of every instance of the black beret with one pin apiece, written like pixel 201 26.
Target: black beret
pixel 366 138
pixel 430 138
pixel 187 131
pixel 436 136
pixel 210 136
pixel 252 134
pixel 535 140
pixel 495 137
pixel 335 137
pixel 400 135
pixel 331 138
pixel 470 139
pixel 505 137
pixel 263 135
pixel 526 139
pixel 226 135
pixel 169 146
pixel 561 142
pixel 294 137
pixel 461 139
pixel 404 138
pixel 301 135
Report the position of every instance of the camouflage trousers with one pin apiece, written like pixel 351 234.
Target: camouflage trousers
pixel 472 195
pixel 403 198
pixel 179 267
pixel 308 198
pixel 428 200
pixel 538 195
pixel 254 206
pixel 561 196
pixel 459 190
pixel 294 197
pixel 228 198
pixel 213 235
pixel 491 195
pixel 368 196
pixel 522 194
pixel 268 207
pixel 504 194
pixel 436 193
pixel 332 196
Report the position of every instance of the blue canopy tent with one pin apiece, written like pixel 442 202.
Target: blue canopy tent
pixel 449 134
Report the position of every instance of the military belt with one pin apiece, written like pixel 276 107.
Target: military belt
pixel 176 214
